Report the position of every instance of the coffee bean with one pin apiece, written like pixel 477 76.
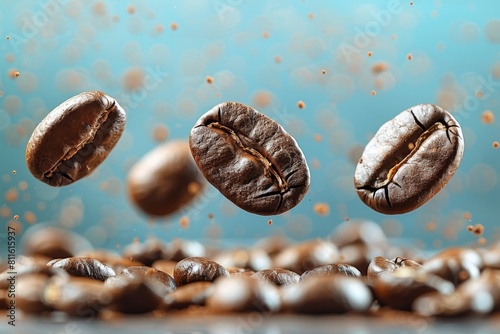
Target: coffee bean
pixel 74 138
pixel 166 266
pixel 456 264
pixel 165 180
pixel 403 286
pixel 179 249
pixel 358 231
pixel 53 242
pixel 409 160
pixel 29 293
pixel 332 269
pixel 4 300
pixel 78 296
pixel 307 255
pixel 491 257
pixel 380 265
pixel 254 259
pixel 31 269
pixel 250 159
pixel 196 269
pixel 187 295
pixel 327 294
pixel 235 271
pixel 140 272
pixel 111 259
pixel 84 267
pixel 278 277
pixel 146 252
pixel 242 294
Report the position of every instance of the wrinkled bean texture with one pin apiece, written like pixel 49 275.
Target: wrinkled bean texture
pixel 250 159
pixel 409 160
pixel 74 138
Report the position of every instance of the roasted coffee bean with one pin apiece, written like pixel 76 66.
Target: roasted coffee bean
pixel 146 252
pixel 307 255
pixel 409 160
pixel 191 294
pixel 358 231
pixel 74 138
pixel 476 296
pixel 254 258
pixel 33 269
pixel 380 265
pixel 242 294
pixel 140 272
pixel 179 249
pixel 29 293
pixel 250 159
pixel 332 269
pixel 134 295
pixel 111 259
pixel 400 288
pixel 196 269
pixel 165 180
pixel 278 277
pixel 53 242
pixel 235 271
pixel 327 294
pixel 78 296
pixel 166 266
pixel 456 265
pixel 84 267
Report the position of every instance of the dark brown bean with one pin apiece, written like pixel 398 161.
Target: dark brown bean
pixel 332 269
pixel 74 138
pixel 250 159
pixel 277 276
pixel 242 294
pixel 187 295
pixel 380 265
pixel 196 269
pixel 327 294
pixel 140 272
pixel 166 266
pixel 409 160
pixel 165 180
pixel 84 267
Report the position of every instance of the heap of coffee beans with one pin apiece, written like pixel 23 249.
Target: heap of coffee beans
pixel 318 280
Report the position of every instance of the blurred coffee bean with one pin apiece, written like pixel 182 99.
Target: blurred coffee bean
pixel 196 269
pixel 491 257
pixel 272 245
pixel 307 255
pixel 187 295
pixel 146 252
pixel 179 249
pixel 142 272
pixel 84 267
pixel 166 266
pixel 32 269
pixel 400 288
pixel 242 294
pixel 358 231
pixel 235 271
pixel 52 242
pixel 253 258
pixel 78 296
pixel 456 265
pixel 332 269
pixel 278 277
pixel 165 179
pixel 380 265
pixel 476 296
pixel 29 293
pixel 327 294
pixel 111 259
pixel 134 295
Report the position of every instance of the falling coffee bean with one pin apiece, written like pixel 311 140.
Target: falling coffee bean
pixel 196 269
pixel 278 277
pixel 84 267
pixel 250 159
pixel 74 138
pixel 409 160
pixel 165 180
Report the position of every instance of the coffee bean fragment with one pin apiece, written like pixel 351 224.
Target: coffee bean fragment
pixel 332 269
pixel 277 276
pixel 327 295
pixel 196 269
pixel 165 180
pixel 250 159
pixel 187 295
pixel 410 159
pixel 84 267
pixel 74 138
pixel 242 294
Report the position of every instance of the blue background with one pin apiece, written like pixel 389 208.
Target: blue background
pixel 250 49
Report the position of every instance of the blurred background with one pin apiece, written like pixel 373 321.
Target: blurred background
pixel 330 72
